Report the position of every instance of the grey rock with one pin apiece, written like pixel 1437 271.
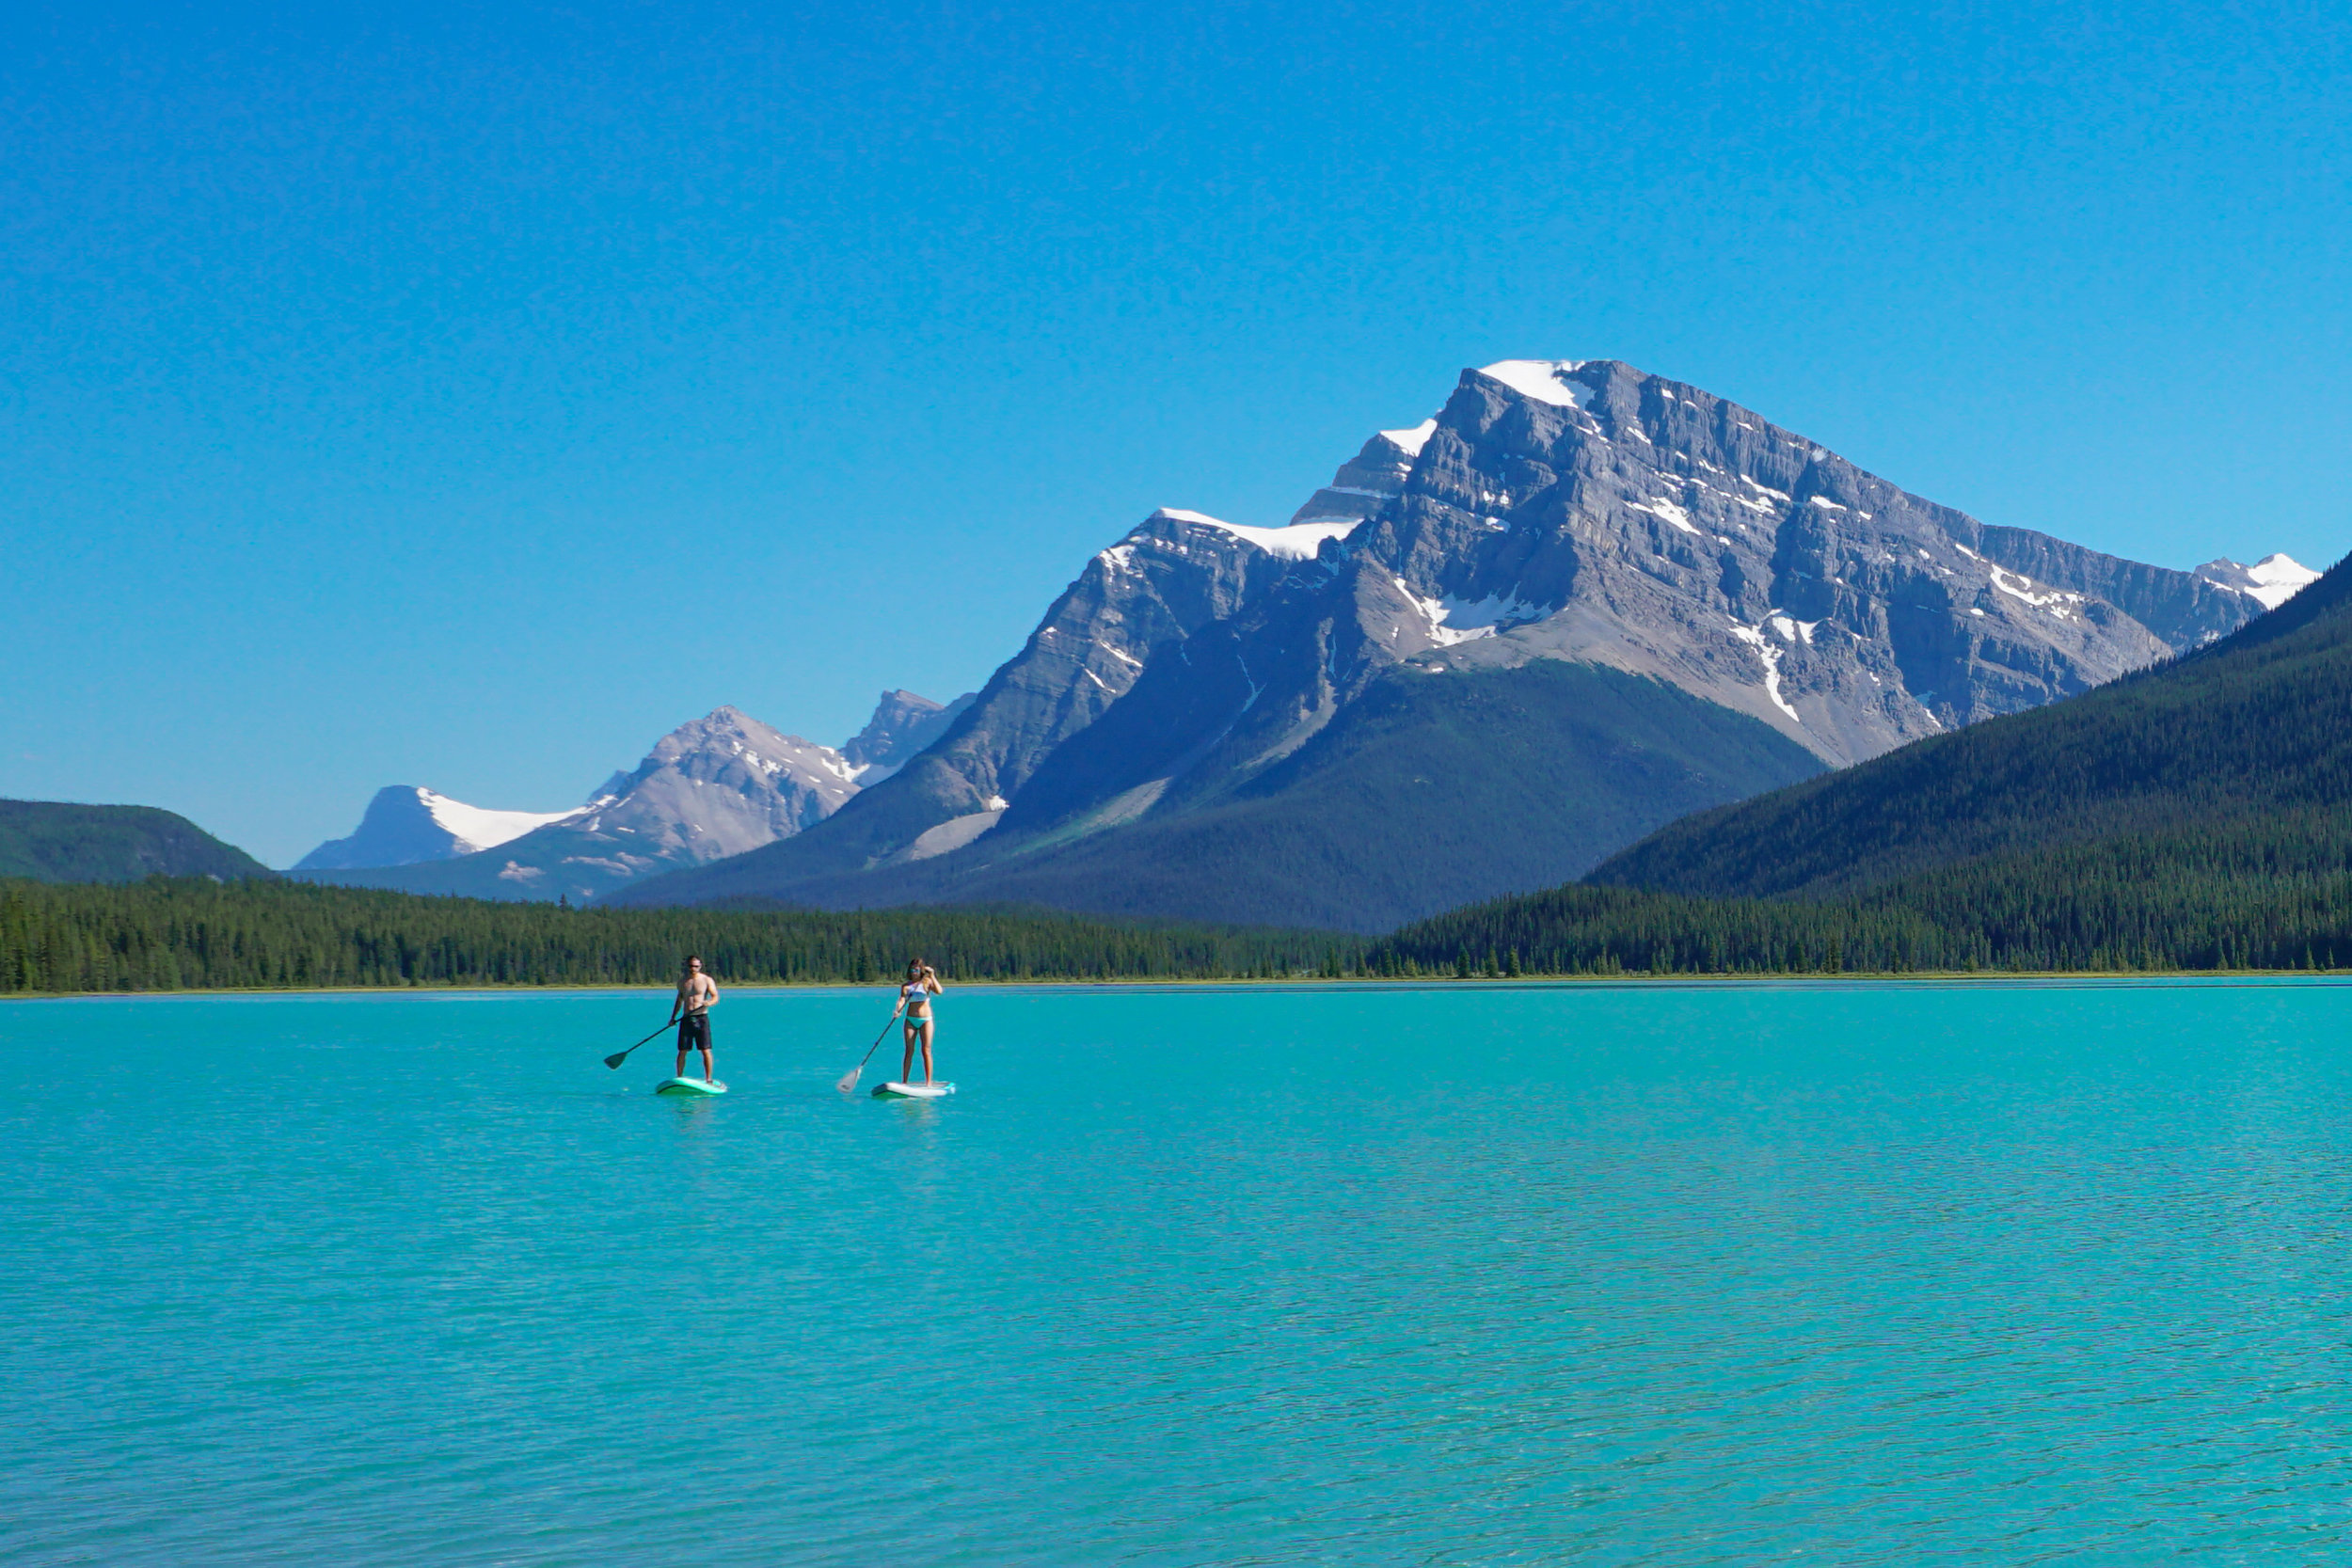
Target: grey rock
pixel 903 725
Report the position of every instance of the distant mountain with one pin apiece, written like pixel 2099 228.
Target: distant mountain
pixel 904 724
pixel 1645 597
pixel 1176 573
pixel 2234 740
pixel 715 788
pixel 406 824
pixel 2269 582
pixel 52 840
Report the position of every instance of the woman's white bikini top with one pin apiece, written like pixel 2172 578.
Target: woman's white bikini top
pixel 912 989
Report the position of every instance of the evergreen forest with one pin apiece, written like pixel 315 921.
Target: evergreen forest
pixel 199 934
pixel 2275 895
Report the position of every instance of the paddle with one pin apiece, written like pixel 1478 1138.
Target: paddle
pixel 620 1057
pixel 849 1079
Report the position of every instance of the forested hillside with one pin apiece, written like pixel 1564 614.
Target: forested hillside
pixel 2197 816
pixel 53 841
pixel 198 934
pixel 2269 894
pixel 2232 741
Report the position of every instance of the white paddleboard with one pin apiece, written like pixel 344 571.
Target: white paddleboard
pixel 689 1086
pixel 912 1091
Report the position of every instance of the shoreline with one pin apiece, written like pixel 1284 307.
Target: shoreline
pixel 1366 982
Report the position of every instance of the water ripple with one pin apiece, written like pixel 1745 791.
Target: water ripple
pixel 1472 1276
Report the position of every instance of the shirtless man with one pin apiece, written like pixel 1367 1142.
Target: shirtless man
pixel 697 994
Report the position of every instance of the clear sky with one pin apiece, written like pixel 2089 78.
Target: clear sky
pixel 466 396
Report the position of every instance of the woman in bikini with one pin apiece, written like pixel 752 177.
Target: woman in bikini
pixel 914 1001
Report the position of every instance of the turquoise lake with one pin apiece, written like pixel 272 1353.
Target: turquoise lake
pixel 1478 1273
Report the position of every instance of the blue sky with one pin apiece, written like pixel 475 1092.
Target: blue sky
pixel 417 395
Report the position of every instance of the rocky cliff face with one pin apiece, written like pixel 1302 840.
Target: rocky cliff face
pixel 1177 573
pixel 903 725
pixel 1587 511
pixel 1583 513
pixel 716 786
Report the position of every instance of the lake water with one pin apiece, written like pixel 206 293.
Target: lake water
pixel 1846 1273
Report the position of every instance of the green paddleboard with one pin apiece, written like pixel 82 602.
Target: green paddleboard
pixel 689 1086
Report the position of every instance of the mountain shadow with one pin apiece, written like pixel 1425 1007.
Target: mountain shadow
pixel 1430 791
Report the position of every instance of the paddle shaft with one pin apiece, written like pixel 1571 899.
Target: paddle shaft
pixel 620 1057
pixel 850 1080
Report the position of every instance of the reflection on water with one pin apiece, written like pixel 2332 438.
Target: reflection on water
pixel 1634 1274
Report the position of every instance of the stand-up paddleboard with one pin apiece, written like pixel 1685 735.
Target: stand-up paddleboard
pixel 912 1091
pixel 689 1086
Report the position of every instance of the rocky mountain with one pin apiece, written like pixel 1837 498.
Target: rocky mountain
pixel 2208 764
pixel 2195 815
pixel 902 725
pixel 406 824
pixel 55 841
pixel 2269 582
pixel 718 787
pixel 1177 573
pixel 1579 601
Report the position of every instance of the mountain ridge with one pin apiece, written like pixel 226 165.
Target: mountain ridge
pixel 62 841
pixel 1581 512
pixel 1553 511
pixel 712 787
pixel 2260 719
pixel 406 824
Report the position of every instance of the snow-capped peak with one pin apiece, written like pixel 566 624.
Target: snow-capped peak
pixel 478 827
pixel 1298 542
pixel 406 824
pixel 2270 581
pixel 1411 441
pixel 1545 380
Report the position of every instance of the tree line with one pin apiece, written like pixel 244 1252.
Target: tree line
pixel 200 934
pixel 2274 895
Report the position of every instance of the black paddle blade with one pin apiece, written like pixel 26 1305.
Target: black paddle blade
pixel 616 1059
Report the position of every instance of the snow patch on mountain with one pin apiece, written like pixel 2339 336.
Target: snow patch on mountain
pixel 2056 601
pixel 407 824
pixel 1455 620
pixel 480 827
pixel 1411 441
pixel 2269 582
pixel 1545 380
pixel 1668 512
pixel 1298 542
pixel 1770 654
